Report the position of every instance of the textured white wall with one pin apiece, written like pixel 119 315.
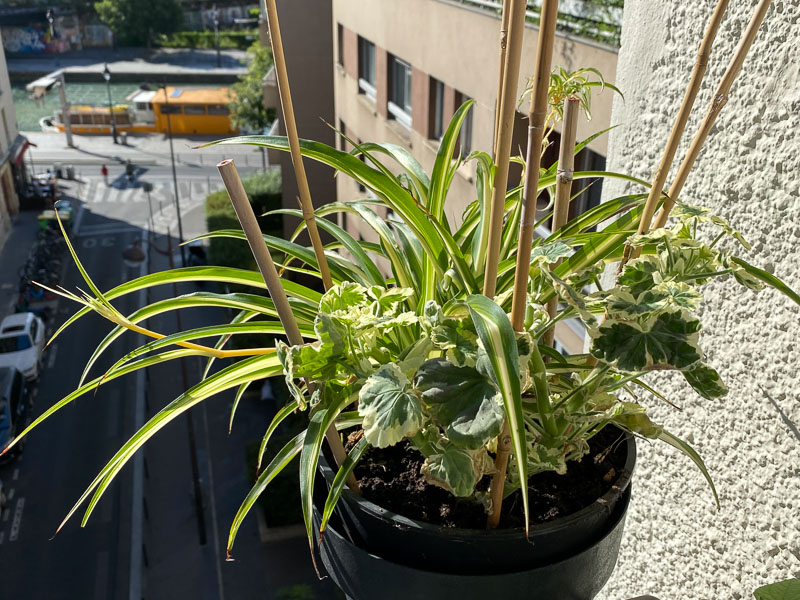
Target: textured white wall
pixel 677 546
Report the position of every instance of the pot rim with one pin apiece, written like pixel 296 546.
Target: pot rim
pixel 604 502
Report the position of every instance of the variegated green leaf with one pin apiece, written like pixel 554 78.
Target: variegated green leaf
pixel 768 278
pixel 705 381
pixel 282 458
pixel 678 443
pixel 457 470
pixel 664 341
pixel 390 409
pixel 339 481
pixel 462 400
pixel 499 342
pixel 550 253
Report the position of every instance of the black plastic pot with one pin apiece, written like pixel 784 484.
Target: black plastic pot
pixel 374 553
pixel 476 551
pixel 364 576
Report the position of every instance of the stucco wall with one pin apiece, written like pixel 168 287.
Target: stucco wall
pixel 677 545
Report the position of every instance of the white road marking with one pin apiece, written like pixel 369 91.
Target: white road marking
pixel 51 361
pixel 11 493
pixel 15 476
pixel 14 533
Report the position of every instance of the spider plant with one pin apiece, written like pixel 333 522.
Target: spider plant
pixel 428 358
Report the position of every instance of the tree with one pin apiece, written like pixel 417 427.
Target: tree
pixel 136 22
pixel 248 112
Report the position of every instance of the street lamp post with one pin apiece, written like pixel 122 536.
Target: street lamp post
pixel 174 175
pixel 107 77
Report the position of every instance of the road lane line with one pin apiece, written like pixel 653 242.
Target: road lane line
pixel 215 525
pixel 137 489
pixel 15 476
pixel 11 493
pixel 51 361
pixel 14 533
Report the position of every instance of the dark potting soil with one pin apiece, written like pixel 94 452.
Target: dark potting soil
pixel 392 478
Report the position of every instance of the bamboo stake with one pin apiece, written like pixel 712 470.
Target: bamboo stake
pixel 500 72
pixel 507 102
pixel 564 177
pixel 536 116
pixel 294 142
pixel 698 72
pixel 244 212
pixel 717 103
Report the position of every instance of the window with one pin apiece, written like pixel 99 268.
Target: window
pixel 340 44
pixel 218 109
pixel 366 68
pixel 342 133
pixel 170 109
pixel 194 109
pixel 400 91
pixel 15 343
pixel 34 330
pixel 141 106
pixel 437 109
pixel 465 139
pixel 361 188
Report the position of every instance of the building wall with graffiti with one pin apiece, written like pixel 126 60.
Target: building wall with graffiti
pixel 33 34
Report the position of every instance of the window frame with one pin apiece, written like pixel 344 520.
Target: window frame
pixel 367 70
pixel 401 113
pixel 437 109
pixel 465 135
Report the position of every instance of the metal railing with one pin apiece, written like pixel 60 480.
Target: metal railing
pixel 596 20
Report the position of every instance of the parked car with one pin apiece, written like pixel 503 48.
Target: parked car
pixel 13 405
pixel 21 343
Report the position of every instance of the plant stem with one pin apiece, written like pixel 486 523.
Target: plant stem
pixel 679 126
pixel 564 178
pixel 507 103
pixel 536 116
pixel 717 103
pixel 244 212
pixel 294 142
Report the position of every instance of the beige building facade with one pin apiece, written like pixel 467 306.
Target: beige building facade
pixel 11 147
pixel 403 67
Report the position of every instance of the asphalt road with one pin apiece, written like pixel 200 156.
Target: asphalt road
pixel 64 454
pixel 60 459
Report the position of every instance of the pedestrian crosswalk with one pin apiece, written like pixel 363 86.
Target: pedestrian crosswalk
pixel 96 191
pixel 130 206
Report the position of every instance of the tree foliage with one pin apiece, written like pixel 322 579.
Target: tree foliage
pixel 248 112
pixel 137 22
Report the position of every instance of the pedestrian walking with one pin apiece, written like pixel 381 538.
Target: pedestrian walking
pixel 104 172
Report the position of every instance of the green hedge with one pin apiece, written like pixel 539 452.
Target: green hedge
pixel 206 39
pixel 264 192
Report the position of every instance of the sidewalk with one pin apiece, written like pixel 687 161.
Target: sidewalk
pixel 146 149
pixel 131 64
pixel 13 255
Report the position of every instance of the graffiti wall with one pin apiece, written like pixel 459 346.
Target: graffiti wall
pixel 37 39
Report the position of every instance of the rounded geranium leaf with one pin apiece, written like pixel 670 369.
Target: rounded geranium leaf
pixel 390 409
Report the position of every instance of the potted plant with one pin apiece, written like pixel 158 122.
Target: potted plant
pixel 443 370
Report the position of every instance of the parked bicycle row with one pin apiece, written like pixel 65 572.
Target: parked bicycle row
pixel 43 266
